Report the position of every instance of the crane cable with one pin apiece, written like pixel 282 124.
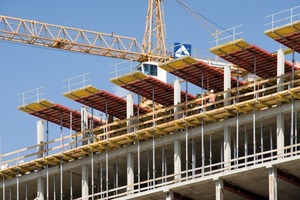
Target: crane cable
pixel 206 22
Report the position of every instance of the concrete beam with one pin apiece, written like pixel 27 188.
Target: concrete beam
pixel 288 177
pixel 242 192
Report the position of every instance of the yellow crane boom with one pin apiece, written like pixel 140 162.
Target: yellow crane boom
pixel 73 39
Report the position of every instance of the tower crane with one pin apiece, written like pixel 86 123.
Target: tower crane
pixel 41 34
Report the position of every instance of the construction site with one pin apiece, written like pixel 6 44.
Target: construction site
pixel 237 139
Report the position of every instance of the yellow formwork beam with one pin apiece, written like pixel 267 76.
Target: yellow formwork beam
pixel 284 30
pixel 35 106
pixel 177 63
pixel 229 47
pixel 128 78
pixel 81 92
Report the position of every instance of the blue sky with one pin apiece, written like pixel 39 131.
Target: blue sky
pixel 23 68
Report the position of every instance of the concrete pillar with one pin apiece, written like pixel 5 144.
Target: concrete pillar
pixel 130 113
pixel 177 97
pixel 219 189
pixel 227 84
pixel 280 69
pixel 130 172
pixel 177 144
pixel 40 138
pixel 272 183
pixel 280 133
pixel 84 124
pixel 85 182
pixel 40 188
pixel 177 159
pixel 169 195
pixel 227 146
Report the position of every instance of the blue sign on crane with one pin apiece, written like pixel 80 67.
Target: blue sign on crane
pixel 181 49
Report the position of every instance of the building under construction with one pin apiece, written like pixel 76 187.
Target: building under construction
pixel 170 144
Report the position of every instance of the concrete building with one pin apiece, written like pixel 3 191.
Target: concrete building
pixel 242 146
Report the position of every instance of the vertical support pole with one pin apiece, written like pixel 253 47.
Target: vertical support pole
pixel 130 173
pixel 71 184
pixel 193 157
pixel 84 182
pixel 177 144
pixel 272 183
pixel 227 147
pixel 40 188
pixel 246 145
pixel 219 189
pixel 3 187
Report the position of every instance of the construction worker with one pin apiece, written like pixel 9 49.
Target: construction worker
pixel 212 99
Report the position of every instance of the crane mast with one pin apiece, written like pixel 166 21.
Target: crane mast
pixel 154 36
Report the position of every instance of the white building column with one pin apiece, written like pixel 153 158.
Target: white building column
pixel 280 116
pixel 280 69
pixel 130 159
pixel 177 144
pixel 227 134
pixel 130 172
pixel 280 133
pixel 40 141
pixel 169 195
pixel 219 189
pixel 84 182
pixel 227 84
pixel 40 137
pixel 272 183
pixel 40 188
pixel 129 113
pixel 84 124
pixel 227 146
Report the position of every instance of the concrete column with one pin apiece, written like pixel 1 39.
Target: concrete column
pixel 177 144
pixel 227 146
pixel 219 189
pixel 177 159
pixel 40 138
pixel 84 124
pixel 272 183
pixel 280 69
pixel 84 182
pixel 40 188
pixel 227 84
pixel 130 113
pixel 280 133
pixel 169 195
pixel 177 97
pixel 130 172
